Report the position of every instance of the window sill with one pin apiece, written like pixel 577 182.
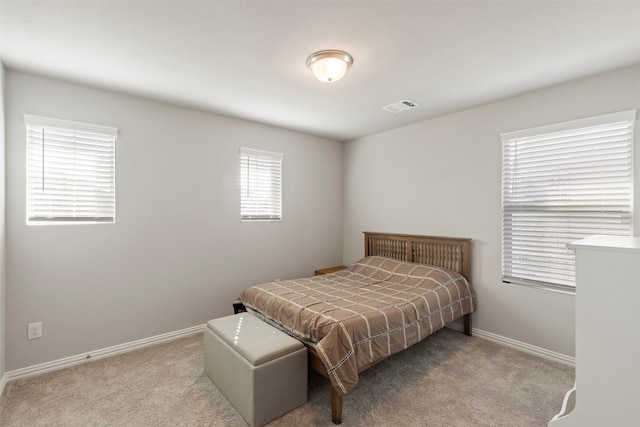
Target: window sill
pixel 544 287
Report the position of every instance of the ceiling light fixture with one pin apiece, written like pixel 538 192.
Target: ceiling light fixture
pixel 329 65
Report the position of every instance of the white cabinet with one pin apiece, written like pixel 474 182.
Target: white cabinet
pixel 607 390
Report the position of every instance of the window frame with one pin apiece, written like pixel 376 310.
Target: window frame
pixel 78 161
pixel 265 203
pixel 565 261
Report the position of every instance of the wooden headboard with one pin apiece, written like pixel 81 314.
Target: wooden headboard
pixel 447 252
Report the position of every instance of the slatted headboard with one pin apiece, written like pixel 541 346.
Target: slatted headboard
pixel 447 252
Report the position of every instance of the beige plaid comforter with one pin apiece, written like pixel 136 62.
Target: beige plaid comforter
pixel 365 313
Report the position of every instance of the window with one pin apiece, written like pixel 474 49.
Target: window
pixel 562 183
pixel 261 185
pixel 70 172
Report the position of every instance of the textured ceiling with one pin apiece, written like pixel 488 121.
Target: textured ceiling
pixel 248 59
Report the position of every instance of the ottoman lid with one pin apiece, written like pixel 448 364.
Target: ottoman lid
pixel 254 339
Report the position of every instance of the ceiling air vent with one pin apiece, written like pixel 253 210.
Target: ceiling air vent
pixel 405 104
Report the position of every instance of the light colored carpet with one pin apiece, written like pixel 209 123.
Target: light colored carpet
pixel 447 380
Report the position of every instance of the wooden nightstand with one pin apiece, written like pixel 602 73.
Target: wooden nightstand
pixel 329 270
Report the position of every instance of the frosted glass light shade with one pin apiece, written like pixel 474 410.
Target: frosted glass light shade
pixel 329 65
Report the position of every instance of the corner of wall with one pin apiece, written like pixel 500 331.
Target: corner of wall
pixel 3 284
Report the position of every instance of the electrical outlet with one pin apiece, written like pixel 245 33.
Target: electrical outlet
pixel 34 330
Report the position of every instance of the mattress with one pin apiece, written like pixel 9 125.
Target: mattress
pixel 363 314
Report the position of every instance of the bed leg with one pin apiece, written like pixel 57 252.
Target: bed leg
pixel 467 324
pixel 336 406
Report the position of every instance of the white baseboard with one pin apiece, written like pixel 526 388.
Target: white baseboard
pixel 3 382
pixel 528 348
pixel 67 362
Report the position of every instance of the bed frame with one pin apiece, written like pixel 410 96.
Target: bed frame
pixel 446 252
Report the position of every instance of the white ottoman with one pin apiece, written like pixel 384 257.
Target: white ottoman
pixel 260 369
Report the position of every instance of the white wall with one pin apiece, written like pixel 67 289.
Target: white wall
pixel 443 177
pixel 3 283
pixel 179 254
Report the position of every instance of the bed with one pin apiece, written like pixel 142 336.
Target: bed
pixel 405 288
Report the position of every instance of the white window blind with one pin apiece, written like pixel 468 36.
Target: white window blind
pixel 70 171
pixel 562 183
pixel 261 184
